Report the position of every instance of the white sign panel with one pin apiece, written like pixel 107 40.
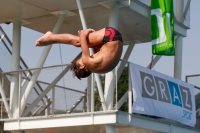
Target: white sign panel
pixel 163 96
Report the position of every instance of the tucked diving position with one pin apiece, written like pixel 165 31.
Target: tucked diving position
pixel 107 44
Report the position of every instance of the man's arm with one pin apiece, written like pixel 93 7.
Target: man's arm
pixel 84 45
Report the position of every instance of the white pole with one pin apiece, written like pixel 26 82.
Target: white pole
pixel 97 79
pixel 4 98
pixel 41 62
pixel 1 108
pixel 100 89
pixel 92 92
pixel 129 94
pixel 47 110
pixel 179 10
pixel 19 93
pixel 53 100
pixel 155 60
pixel 126 56
pixel 81 13
pixel 15 65
pixel 179 42
pixel 178 58
pixel 89 93
pixel 109 79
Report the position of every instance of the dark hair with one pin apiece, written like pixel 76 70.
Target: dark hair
pixel 79 73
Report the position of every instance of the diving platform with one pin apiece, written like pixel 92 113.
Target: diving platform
pixel 95 122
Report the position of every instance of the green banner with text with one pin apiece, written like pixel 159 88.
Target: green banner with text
pixel 162 27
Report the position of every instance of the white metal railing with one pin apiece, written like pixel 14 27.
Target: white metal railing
pixel 48 107
pixel 36 104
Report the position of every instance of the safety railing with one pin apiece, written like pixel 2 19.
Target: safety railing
pixel 64 100
pixel 60 99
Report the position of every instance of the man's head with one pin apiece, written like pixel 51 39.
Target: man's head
pixel 79 69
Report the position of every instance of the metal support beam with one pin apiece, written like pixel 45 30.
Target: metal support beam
pixel 186 8
pixel 178 58
pixel 109 78
pixel 46 91
pixel 48 88
pixel 41 63
pixel 100 90
pixel 47 110
pixel 130 100
pixel 14 81
pixel 155 60
pixel 89 94
pixel 3 95
pixel 96 76
pixel 179 10
pixel 178 42
pixel 126 56
pixel 92 92
pixel 53 100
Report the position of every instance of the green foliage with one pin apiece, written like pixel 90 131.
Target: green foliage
pixel 122 87
pixel 197 100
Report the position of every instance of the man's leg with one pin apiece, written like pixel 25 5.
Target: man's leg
pixel 95 39
pixel 50 38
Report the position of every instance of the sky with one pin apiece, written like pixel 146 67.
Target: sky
pixel 190 62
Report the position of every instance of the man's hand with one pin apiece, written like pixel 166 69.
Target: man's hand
pixel 85 33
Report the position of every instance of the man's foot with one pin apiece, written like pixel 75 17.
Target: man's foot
pixel 45 40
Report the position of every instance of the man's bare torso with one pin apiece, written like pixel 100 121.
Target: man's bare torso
pixel 107 57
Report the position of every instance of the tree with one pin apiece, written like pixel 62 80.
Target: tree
pixel 122 87
pixel 197 100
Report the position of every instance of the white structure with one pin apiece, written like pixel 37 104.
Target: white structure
pixel 131 17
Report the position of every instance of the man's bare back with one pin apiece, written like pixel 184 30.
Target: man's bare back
pixel 107 44
pixel 110 54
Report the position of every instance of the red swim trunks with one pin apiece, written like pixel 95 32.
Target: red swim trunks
pixel 111 34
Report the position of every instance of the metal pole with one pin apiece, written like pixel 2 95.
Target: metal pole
pixel 30 107
pixel 1 108
pixel 100 90
pixel 89 93
pixel 179 41
pixel 92 92
pixel 178 58
pixel 97 79
pixel 4 98
pixel 109 79
pixel 41 62
pixel 81 13
pixel 19 93
pixel 53 100
pixel 47 110
pixel 179 10
pixel 155 60
pixel 126 56
pixel 15 66
pixel 129 95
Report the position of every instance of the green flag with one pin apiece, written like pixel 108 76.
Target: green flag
pixel 162 27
